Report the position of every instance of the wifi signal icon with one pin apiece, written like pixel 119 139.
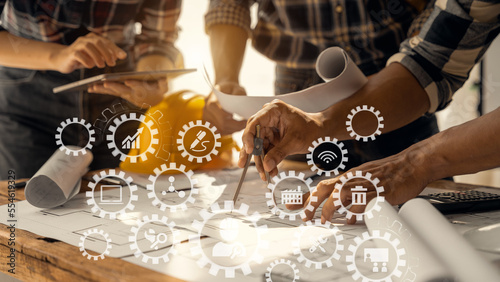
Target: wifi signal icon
pixel 327 156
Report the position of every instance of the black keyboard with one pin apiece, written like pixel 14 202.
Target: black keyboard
pixel 463 201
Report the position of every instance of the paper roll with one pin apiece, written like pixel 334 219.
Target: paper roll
pixel 447 244
pixel 58 180
pixel 342 79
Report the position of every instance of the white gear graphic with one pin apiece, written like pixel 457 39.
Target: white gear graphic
pixel 338 188
pixel 128 117
pixel 92 185
pixel 328 261
pixel 280 262
pixel 173 167
pixel 272 201
pixel 186 128
pixel 67 150
pixel 403 234
pixel 135 247
pixel 87 234
pixel 229 270
pixel 376 234
pixel 365 108
pixel 315 144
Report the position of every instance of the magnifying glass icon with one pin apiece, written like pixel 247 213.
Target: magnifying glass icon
pixel 159 241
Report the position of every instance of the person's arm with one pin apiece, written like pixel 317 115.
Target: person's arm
pixel 420 79
pixel 153 50
pixel 87 51
pixel 227 23
pixel 467 148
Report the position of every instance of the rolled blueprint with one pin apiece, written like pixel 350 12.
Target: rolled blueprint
pixel 342 79
pixel 428 267
pixel 447 244
pixel 58 180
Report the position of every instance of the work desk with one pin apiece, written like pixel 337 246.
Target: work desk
pixel 45 259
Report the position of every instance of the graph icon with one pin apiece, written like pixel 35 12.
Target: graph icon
pixel 327 156
pixel 132 142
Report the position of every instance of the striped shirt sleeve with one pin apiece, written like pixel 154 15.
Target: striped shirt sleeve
pixel 159 30
pixel 230 12
pixel 451 42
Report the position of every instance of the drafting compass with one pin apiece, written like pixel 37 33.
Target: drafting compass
pixel 258 150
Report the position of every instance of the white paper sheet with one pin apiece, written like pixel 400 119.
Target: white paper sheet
pixel 342 78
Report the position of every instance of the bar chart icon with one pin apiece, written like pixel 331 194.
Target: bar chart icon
pixel 133 142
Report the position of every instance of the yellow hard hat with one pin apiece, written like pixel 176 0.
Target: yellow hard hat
pixel 169 117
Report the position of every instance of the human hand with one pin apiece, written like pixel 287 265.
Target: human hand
pixel 285 129
pixel 403 177
pixel 139 93
pixel 87 51
pixel 214 113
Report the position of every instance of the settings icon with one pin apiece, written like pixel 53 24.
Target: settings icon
pixel 359 195
pixel 199 141
pixel 132 141
pixel 282 262
pixel 155 238
pixel 318 244
pixel 119 200
pixel 379 257
pixel 290 196
pixel 94 231
pixel 236 252
pixel 171 189
pixel 327 156
pixel 358 136
pixel 81 122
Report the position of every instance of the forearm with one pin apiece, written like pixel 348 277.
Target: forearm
pixel 24 53
pixel 394 92
pixel 227 43
pixel 467 148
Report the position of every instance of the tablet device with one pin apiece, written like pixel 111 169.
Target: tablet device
pixel 121 76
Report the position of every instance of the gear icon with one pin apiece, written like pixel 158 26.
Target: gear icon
pixel 397 229
pixel 272 201
pixel 282 262
pixel 189 126
pixel 338 188
pixel 315 145
pixel 129 117
pixel 109 114
pixel 173 167
pixel 86 235
pixel 328 261
pixel 376 234
pixel 111 173
pixel 67 150
pixel 229 271
pixel 365 108
pixel 175 239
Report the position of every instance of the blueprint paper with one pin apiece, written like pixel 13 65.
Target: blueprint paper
pixel 342 79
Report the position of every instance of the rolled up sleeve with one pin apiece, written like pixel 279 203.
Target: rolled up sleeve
pixel 159 29
pixel 453 39
pixel 230 12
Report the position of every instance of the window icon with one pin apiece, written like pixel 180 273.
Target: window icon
pixel 291 196
pixel 111 200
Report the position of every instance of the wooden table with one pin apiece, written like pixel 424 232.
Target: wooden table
pixel 44 259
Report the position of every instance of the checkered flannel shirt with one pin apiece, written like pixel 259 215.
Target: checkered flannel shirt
pixel 293 33
pixel 450 43
pixel 64 21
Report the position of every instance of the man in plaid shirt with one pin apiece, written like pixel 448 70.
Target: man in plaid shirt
pixel 50 43
pixel 294 33
pixel 417 81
